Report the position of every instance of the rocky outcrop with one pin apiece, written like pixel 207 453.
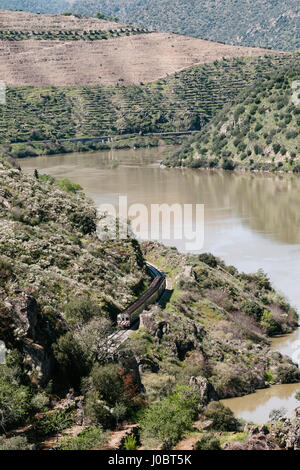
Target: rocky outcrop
pixel 287 431
pixel 24 311
pixel 254 442
pixel 204 389
pixel 25 325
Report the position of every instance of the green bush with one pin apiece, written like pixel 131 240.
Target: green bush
pixel 14 443
pixel 252 309
pixel 81 310
pixel 167 420
pixel 89 439
pixel 222 417
pixel 71 361
pixel 68 186
pixel 130 443
pixel 53 422
pixel 15 399
pixel 208 442
pixel 268 323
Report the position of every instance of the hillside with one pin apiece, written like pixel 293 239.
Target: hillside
pixel 60 290
pixel 259 132
pixel 50 50
pixel 183 101
pixel 260 23
pixel 37 6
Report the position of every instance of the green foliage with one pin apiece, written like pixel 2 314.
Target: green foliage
pixel 208 442
pixel 252 309
pixel 184 101
pixel 71 360
pixel 244 135
pixel 222 417
pixel 89 439
pixel 267 321
pixel 66 185
pixel 53 422
pixel 14 443
pixel 81 310
pixel 167 420
pixel 130 443
pixel 15 399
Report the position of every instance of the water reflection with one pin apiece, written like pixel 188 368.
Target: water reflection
pixel 257 406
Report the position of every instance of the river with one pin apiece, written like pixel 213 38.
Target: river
pixel 251 221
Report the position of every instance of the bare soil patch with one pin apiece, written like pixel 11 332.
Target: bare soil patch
pixel 125 60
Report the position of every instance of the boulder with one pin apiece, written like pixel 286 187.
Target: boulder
pixel 24 311
pixel 146 364
pixel 254 442
pixel 204 389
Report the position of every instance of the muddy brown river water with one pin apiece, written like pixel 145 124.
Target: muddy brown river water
pixel 252 221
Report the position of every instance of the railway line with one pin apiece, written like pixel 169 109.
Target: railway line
pixel 116 339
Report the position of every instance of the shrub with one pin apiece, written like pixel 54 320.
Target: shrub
pixel 130 443
pixel 167 420
pixel 268 323
pixel 276 414
pixel 66 185
pixel 54 422
pixel 14 443
pixel 209 259
pixel 81 310
pixel 208 442
pixel 222 417
pixel 14 399
pixel 252 309
pixel 89 439
pixel 72 363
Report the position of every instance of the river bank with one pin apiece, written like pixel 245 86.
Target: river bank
pixel 250 220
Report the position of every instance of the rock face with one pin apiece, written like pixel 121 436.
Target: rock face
pixel 22 312
pixel 204 389
pixel 255 442
pixel 288 433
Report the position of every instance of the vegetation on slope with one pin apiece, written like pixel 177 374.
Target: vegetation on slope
pixel 60 290
pixel 257 23
pixel 259 132
pixel 65 35
pixel 184 101
pixel 38 6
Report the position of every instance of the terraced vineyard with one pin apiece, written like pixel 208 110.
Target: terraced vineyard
pixel 184 101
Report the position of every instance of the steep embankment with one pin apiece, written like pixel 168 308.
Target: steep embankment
pixel 249 23
pixel 60 290
pixel 67 51
pixel 259 132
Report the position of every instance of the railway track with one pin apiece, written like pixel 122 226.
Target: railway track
pixel 116 339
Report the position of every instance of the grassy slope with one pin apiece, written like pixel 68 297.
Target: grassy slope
pixel 184 101
pixel 265 24
pixel 259 132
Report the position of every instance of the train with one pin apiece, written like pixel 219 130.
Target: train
pixel 131 314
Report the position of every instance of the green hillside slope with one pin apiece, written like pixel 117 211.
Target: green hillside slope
pixel 259 132
pixel 257 23
pixel 184 101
